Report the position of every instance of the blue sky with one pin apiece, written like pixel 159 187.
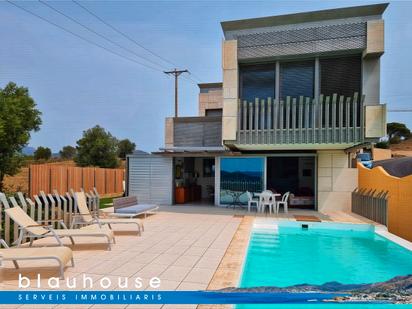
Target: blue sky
pixel 77 85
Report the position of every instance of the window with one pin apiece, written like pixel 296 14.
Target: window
pixel 257 82
pixel 214 112
pixel 341 76
pixel 297 79
pixel 238 175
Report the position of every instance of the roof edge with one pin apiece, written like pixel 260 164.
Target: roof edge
pixel 311 16
pixel 210 85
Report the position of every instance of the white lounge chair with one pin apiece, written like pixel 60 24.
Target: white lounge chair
pixel 283 202
pixel 252 201
pixel 85 217
pixel 62 255
pixel 32 229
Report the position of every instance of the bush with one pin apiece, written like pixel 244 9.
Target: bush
pixel 42 153
pixel 382 145
pixel 68 152
pixel 125 147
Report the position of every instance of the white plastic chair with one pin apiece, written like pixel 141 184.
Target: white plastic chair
pixel 266 200
pixel 251 201
pixel 283 202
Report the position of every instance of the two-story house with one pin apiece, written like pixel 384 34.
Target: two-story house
pixel 300 94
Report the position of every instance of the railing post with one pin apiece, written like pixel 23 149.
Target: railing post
pixel 293 114
pixel 341 102
pixel 314 106
pixel 347 119
pixel 256 121
pixel 269 139
pixel 281 123
pixel 287 119
pixel 244 128
pixel 327 114
pixel 354 116
pixel 275 120
pixel 300 120
pixel 262 122
pixel 320 120
pixel 239 115
pixel 250 124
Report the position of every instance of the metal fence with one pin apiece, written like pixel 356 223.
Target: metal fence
pixel 48 208
pixel 371 204
pixel 47 178
pixel 324 120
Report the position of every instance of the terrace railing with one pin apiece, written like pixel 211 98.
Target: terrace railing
pixel 371 204
pixel 324 120
pixel 43 207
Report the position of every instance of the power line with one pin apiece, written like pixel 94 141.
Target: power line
pixel 399 110
pixel 81 37
pixel 123 34
pixel 130 38
pixel 98 34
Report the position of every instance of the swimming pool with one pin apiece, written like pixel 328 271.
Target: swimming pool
pixel 288 254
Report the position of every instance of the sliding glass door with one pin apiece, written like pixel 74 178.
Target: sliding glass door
pixel 238 175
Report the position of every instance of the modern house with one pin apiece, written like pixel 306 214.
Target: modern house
pixel 300 95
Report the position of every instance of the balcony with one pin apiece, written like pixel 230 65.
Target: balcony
pixel 336 121
pixel 193 132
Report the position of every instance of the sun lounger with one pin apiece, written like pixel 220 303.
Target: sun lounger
pixel 128 205
pixel 85 217
pixel 62 255
pixel 31 229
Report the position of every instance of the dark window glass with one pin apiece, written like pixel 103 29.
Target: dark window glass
pixel 238 175
pixel 257 82
pixel 214 112
pixel 297 79
pixel 341 76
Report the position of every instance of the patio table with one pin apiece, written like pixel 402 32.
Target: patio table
pixel 236 198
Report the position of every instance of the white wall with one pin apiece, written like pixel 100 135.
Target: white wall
pixel 336 181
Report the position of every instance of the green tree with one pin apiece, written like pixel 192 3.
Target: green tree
pixel 97 148
pixel 125 147
pixel 382 145
pixel 18 117
pixel 42 153
pixel 68 152
pixel 397 131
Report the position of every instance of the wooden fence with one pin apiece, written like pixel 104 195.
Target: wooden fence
pixel 399 220
pixel 47 178
pixel 327 119
pixel 43 207
pixel 371 204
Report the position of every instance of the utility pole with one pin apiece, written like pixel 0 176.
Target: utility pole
pixel 176 74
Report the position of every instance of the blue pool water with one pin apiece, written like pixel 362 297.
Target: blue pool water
pixel 320 254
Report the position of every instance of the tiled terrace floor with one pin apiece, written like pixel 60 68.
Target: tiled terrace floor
pixel 182 245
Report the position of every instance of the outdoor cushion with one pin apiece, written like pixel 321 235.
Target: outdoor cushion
pixel 63 254
pixel 137 209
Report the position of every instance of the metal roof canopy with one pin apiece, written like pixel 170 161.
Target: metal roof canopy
pixel 192 151
pixel 357 147
pixel 297 18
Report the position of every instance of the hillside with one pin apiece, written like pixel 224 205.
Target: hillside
pixel 402 149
